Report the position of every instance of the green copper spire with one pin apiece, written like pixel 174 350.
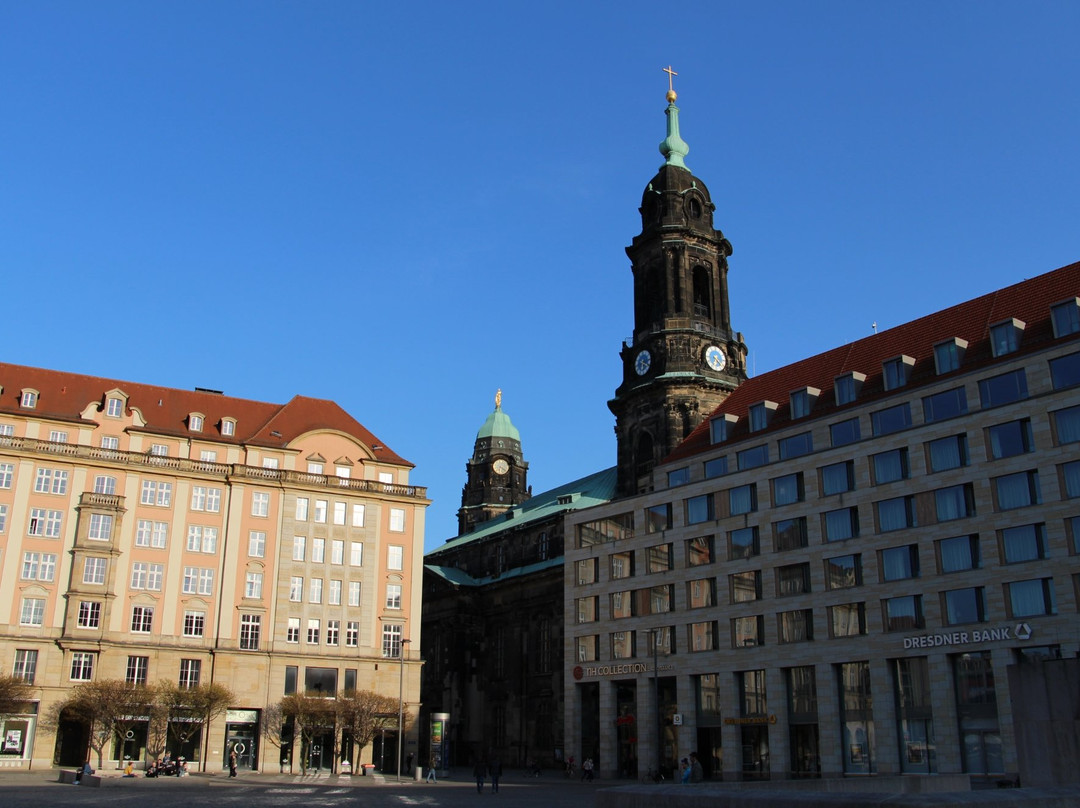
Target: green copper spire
pixel 673 147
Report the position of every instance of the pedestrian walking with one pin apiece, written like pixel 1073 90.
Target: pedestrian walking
pixel 232 763
pixel 431 771
pixel 587 770
pixel 495 770
pixel 479 772
pixel 408 764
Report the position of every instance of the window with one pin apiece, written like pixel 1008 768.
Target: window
pixel 82 666
pixel 28 399
pixel 205 499
pixel 753 457
pixel 397 520
pixel 745 586
pixel 949 355
pixel 301 509
pixel 1066 317
pixel 358 515
pixel 748 632
pixel 699 551
pixel 352 633
pixel 299 547
pixel 622 565
pixel 894 372
pixel 904 613
pixel 700 593
pixel 1004 389
pixel 7 430
pixel 699 509
pixel 1017 490
pixel 315 590
pixel 847 619
pixel 314 467
pixel 333 631
pixel 622 645
pixel 802 401
pixel 787 489
pixel 260 503
pixel 678 477
pixel 256 543
pixel 151 534
pixel 1070 475
pixel 947 404
pixel 51 481
pixel 965 606
pixel 195 422
pixel 337 552
pixel 954 502
pixel 190 673
pixel 89 615
pixel 1031 598
pixel 25 665
pixel 250 628
pixel 743 543
pixel 742 499
pixel 101 526
pixel 156 493
pixel 142 619
pixel 44 523
pixel 318 551
pixel 900 563
pixel 146 576
pixel 159 450
pixel 38 566
pixel 1005 337
pixel 395 557
pixel 7 473
pixel 356 553
pixel 198 581
pixel 790 534
pixel 587 648
pixel 843 572
pixel 846 387
pixel 947 453
pixel 1010 439
pixel 94 570
pixel 228 427
pixel 702 635
pixel 1067 425
pixel 194 623
pixel 658 558
pixel 836 478
pixel 844 432
pixel 1065 371
pixel 104 484
pixel 339 513
pixel 202 539
pixel 354 593
pixel 296 588
pixel 110 442
pixel 717 467
pixel 253 585
pixel 796 626
pixel 391 640
pixel 658 518
pixel 3 518
pixel 893 419
pixel 959 553
pixel 796 446
pixel 760 415
pixel 896 513
pixel 841 524
pixel 792 579
pixel 312 631
pixel 720 427
pixel 393 596
pixel 1023 543
pixel 114 407
pixel 32 612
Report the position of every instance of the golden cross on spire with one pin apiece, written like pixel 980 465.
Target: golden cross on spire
pixel 671 74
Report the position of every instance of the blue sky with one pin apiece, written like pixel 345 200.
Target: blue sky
pixel 403 207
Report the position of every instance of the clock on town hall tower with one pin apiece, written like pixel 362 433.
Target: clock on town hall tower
pixel 497 472
pixel 683 359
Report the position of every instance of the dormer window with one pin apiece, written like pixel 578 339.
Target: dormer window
pixel 28 399
pixel 847 387
pixel 761 414
pixel 114 407
pixel 895 372
pixel 1066 317
pixel 721 426
pixel 802 401
pixel 1005 337
pixel 949 355
pixel 228 427
pixel 195 422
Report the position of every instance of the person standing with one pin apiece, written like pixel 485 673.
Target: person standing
pixel 479 772
pixel 232 763
pixel 495 770
pixel 697 773
pixel 408 764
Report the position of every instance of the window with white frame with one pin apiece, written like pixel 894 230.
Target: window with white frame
pixel 143 574
pixel 137 668
pixel 202 539
pixel 315 587
pixel 205 498
pixel 110 442
pixel 354 593
pixel 82 666
pixel 312 631
pixel 257 543
pixel 292 630
pixel 7 474
pixel 94 570
pixel 155 492
pixel 28 399
pixel 270 463
pixel 393 596
pixel 395 555
pixel 114 408
pixel 58 436
pixel 260 503
pixel 151 534
pixel 337 552
pixel 299 548
pixel 3 518
pixel 397 520
pixel 195 422
pixel 51 481
pixel 32 612
pixel 314 467
pixel 228 427
pixel 352 633
pixel 320 510
pixel 198 581
pixel 333 631
pixel 101 525
pixel 301 509
pixel 89 615
pixel 391 640
pixel 142 619
pixel 190 673
pixel 44 522
pixel 339 513
pixel 194 623
pixel 344 472
pixel 25 668
pixel 296 588
pixel 39 566
pixel 104 484
pixel 318 551
pixel 333 595
pixel 253 585
pixel 357 515
pixel 159 450
pixel 356 553
pixel 207 456
pixel 7 430
pixel 250 630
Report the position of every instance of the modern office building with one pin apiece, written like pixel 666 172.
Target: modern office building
pixel 833 574
pixel 149 533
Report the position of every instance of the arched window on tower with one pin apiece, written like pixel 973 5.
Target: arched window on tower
pixel 702 292
pixel 650 307
pixel 643 455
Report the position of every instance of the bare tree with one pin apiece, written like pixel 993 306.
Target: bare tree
pixel 274 731
pixel 311 716
pixel 192 709
pixel 99 705
pixel 362 714
pixel 14 691
pixel 157 728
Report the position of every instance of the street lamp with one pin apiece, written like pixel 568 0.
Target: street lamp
pixel 401 703
pixel 654 634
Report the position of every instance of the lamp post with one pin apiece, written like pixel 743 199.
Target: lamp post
pixel 654 634
pixel 401 703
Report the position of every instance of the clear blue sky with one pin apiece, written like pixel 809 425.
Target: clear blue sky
pixel 404 206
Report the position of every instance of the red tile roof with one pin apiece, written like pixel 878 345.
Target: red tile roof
pixel 1028 301
pixel 64 396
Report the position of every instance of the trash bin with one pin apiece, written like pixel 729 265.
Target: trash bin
pixel 366 769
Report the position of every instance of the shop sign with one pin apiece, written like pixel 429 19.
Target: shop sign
pixel 751 720
pixel 581 671
pixel 1021 631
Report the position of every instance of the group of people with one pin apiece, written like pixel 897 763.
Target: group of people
pixel 487 769
pixel 690 770
pixel 166 766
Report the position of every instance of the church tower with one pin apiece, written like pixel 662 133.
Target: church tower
pixel 497 472
pixel 683 359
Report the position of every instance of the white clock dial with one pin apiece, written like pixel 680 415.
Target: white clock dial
pixel 715 358
pixel 642 363
pixel 500 466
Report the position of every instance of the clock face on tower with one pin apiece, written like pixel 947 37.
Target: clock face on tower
pixel 715 358
pixel 642 363
pixel 500 466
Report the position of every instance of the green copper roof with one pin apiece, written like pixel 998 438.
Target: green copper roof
pixel 498 425
pixel 673 147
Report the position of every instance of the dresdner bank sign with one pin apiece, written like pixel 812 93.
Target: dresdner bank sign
pixel 1021 631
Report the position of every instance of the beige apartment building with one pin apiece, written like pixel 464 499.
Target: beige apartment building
pixel 833 574
pixel 149 533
